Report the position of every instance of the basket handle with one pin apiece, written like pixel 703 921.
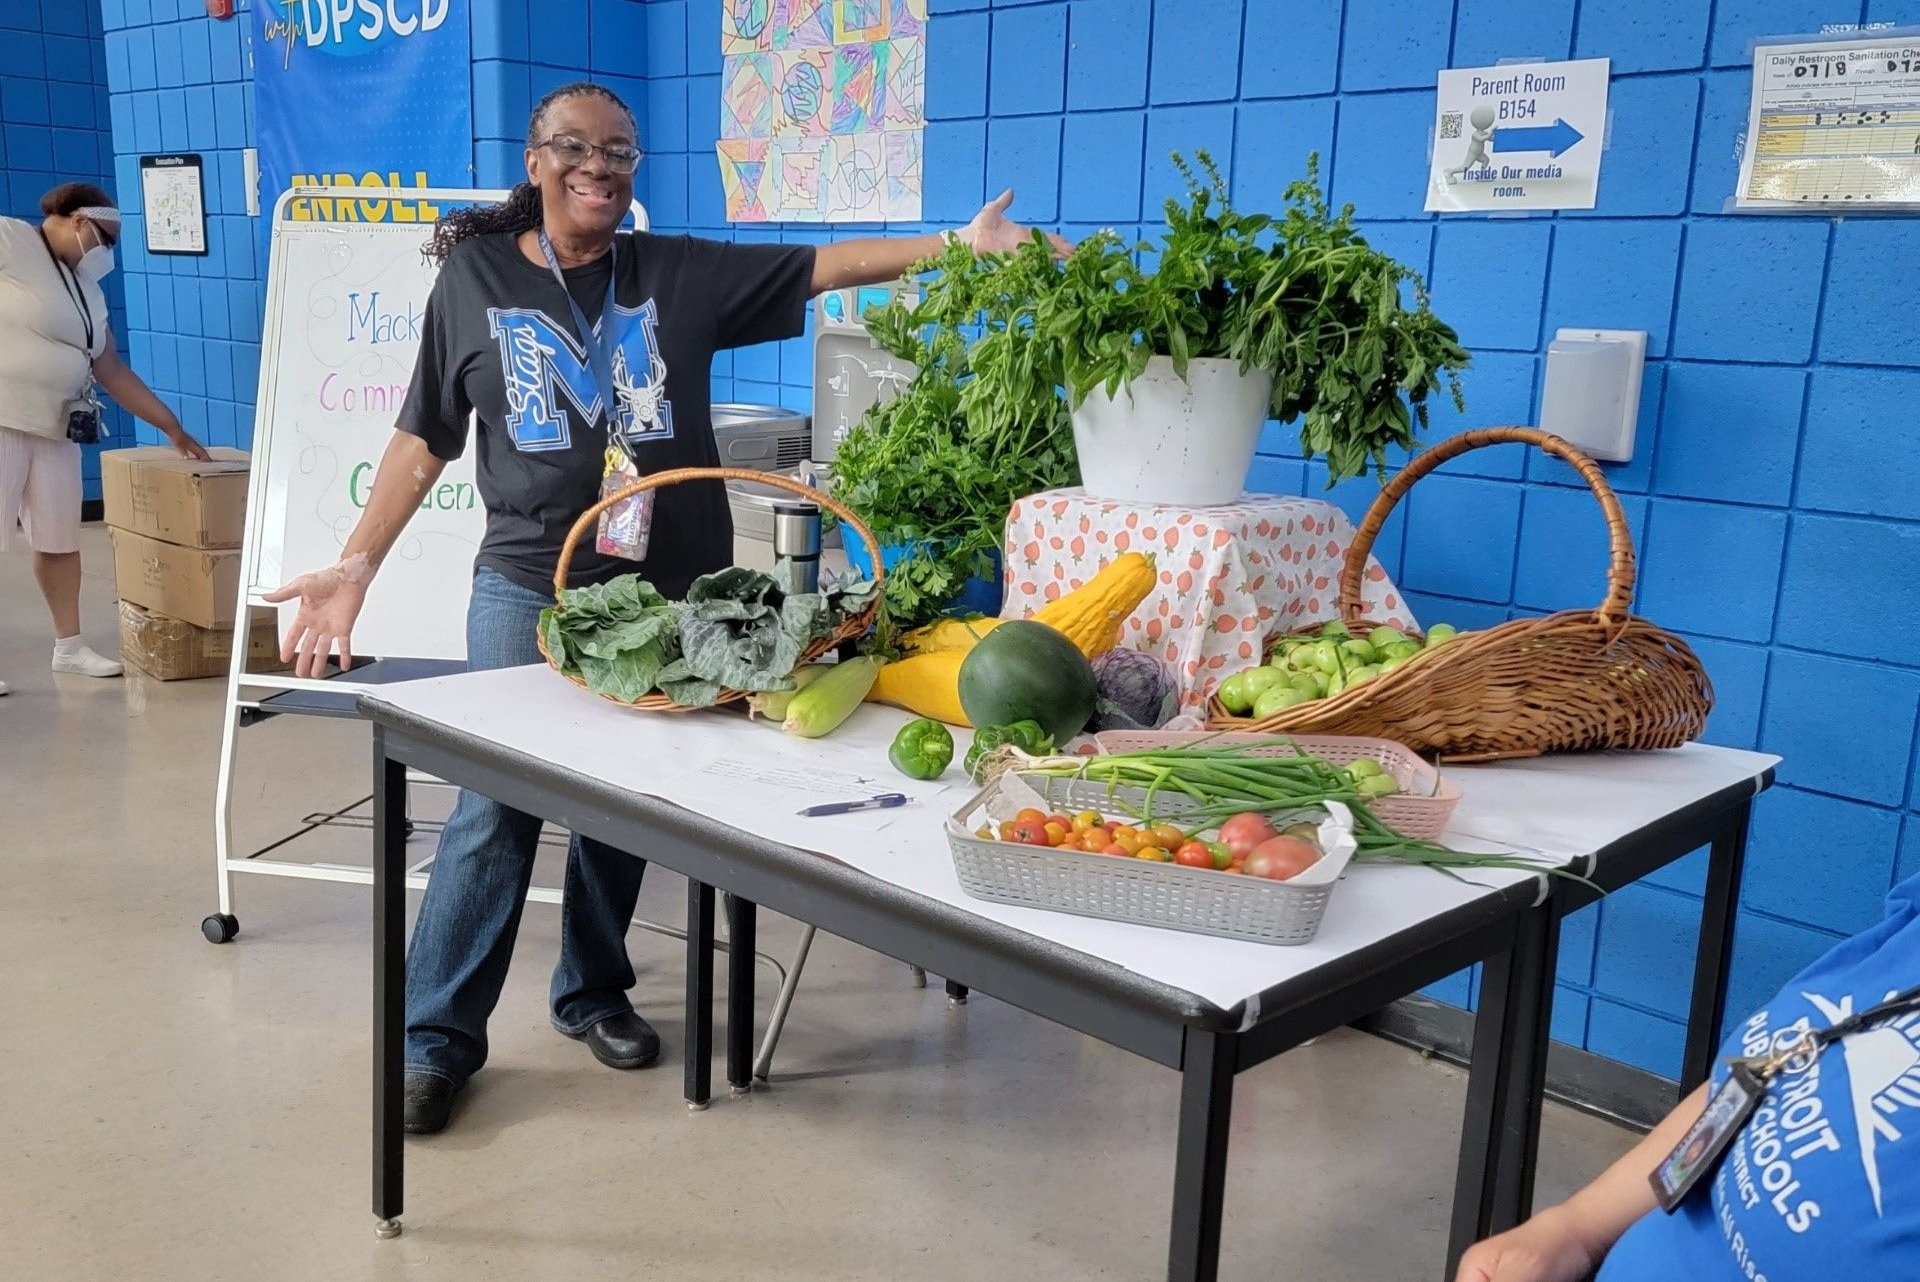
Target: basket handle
pixel 1618 602
pixel 660 480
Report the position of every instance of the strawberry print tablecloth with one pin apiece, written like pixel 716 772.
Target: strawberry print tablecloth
pixel 1230 577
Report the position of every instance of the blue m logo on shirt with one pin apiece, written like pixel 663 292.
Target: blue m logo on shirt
pixel 541 362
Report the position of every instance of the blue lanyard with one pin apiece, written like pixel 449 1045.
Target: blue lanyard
pixel 592 340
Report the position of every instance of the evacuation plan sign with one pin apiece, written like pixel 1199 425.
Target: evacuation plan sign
pixel 1521 136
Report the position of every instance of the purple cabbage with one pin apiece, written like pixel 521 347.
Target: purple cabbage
pixel 1136 692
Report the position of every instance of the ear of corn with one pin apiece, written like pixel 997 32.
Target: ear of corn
pixel 773 704
pixel 821 707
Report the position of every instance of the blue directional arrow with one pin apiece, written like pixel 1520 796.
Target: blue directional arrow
pixel 1554 138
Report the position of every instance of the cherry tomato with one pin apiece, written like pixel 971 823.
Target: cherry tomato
pixel 1167 837
pixel 1084 820
pixel 1055 834
pixel 1193 854
pixel 1125 830
pixel 1117 850
pixel 1093 840
pixel 1128 840
pixel 1106 837
pixel 1062 820
pixel 1030 815
pixel 1006 831
pixel 1154 854
pixel 1222 855
pixel 1030 832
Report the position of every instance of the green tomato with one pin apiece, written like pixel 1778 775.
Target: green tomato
pixel 1360 650
pixel 1441 632
pixel 1397 661
pixel 1242 690
pixel 1326 657
pixel 1222 855
pixel 1401 650
pixel 1376 786
pixel 1335 629
pixel 1365 768
pixel 1381 638
pixel 1279 699
pixel 1366 672
pixel 1313 683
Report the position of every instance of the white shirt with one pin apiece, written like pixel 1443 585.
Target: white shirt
pixel 44 358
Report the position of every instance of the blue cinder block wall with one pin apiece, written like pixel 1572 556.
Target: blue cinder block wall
pixel 54 128
pixel 1768 493
pixel 182 82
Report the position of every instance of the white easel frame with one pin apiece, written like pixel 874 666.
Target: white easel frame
pixel 249 691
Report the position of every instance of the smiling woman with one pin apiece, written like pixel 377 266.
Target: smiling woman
pixel 582 357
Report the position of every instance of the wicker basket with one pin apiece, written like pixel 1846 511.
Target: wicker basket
pixel 1579 679
pixel 854 626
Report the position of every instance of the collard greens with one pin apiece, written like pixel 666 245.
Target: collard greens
pixel 737 629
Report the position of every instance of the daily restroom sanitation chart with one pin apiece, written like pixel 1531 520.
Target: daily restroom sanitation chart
pixel 1518 136
pixel 1833 123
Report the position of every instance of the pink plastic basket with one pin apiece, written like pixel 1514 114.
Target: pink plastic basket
pixel 1421 809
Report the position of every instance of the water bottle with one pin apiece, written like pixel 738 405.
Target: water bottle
pixel 796 543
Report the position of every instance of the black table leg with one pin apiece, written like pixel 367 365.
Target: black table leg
pixel 389 983
pixel 1200 1155
pixel 1715 957
pixel 1506 1085
pixel 956 993
pixel 699 1051
pixel 740 945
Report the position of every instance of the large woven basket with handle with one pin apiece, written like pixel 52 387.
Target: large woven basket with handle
pixel 1599 678
pixel 853 627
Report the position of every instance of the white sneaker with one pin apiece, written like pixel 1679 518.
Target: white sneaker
pixel 84 661
pixel 5 688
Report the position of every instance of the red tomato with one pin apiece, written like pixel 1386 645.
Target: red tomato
pixel 1194 854
pixel 1167 836
pixel 1128 841
pixel 1282 858
pixel 1119 850
pixel 1243 832
pixel 1030 832
pixel 1030 815
pixel 1056 835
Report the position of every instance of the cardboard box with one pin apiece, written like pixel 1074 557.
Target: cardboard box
pixel 155 492
pixel 199 586
pixel 175 650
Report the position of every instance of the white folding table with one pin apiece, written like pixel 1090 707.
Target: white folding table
pixel 678 790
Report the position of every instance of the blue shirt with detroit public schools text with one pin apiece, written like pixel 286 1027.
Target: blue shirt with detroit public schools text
pixel 1824 1181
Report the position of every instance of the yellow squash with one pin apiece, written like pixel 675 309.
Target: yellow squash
pixel 927 684
pixel 948 634
pixel 1091 615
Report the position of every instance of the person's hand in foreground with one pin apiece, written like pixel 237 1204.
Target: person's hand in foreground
pixel 1544 1249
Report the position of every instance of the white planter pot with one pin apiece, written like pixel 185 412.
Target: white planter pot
pixel 1169 440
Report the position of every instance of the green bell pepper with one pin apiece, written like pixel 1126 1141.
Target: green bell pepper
pixel 922 750
pixel 1028 736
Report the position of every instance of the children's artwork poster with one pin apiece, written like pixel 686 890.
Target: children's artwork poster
pixel 823 103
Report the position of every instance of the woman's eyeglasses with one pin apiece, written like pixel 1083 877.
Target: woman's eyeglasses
pixel 622 158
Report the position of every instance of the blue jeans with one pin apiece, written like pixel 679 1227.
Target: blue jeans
pixel 463 938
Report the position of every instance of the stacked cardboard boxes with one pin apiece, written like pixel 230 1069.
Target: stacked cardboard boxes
pixel 177 526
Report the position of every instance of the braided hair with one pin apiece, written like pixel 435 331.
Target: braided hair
pixel 522 209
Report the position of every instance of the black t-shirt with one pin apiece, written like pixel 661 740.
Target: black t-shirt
pixel 498 339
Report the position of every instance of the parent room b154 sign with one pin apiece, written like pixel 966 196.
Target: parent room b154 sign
pixel 1518 136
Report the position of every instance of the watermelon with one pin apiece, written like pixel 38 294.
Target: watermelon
pixel 1027 671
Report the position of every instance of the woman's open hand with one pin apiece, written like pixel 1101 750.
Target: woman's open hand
pixel 330 602
pixel 188 447
pixel 992 232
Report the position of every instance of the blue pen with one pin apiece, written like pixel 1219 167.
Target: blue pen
pixel 885 801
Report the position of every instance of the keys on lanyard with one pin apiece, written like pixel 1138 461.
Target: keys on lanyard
pixel 626 527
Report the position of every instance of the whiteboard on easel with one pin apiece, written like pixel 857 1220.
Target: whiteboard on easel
pixel 345 302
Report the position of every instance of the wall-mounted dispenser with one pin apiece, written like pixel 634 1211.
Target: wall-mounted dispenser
pixel 1592 394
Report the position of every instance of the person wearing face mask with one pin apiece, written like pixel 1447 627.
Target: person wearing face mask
pixel 55 345
pixel 582 356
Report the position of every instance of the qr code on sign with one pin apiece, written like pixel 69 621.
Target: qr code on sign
pixel 1449 124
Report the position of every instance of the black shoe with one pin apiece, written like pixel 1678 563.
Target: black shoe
pixel 428 1103
pixel 622 1041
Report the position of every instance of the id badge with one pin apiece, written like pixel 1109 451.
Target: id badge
pixel 626 526
pixel 1700 1149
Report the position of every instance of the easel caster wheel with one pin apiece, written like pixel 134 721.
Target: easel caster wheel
pixel 220 928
